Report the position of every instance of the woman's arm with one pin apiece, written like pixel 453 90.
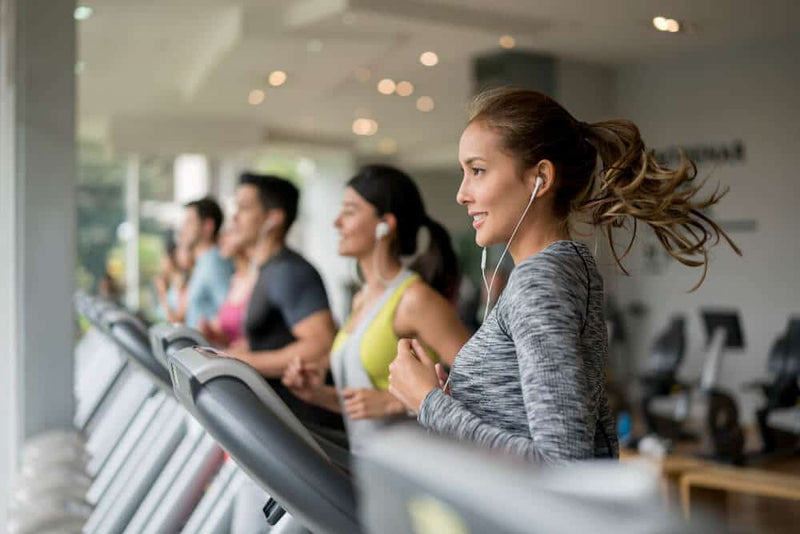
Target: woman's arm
pixel 559 401
pixel 306 381
pixel 424 314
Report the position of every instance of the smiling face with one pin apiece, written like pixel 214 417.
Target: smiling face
pixel 356 225
pixel 493 188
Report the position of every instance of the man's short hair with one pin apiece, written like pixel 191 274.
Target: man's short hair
pixel 208 208
pixel 274 192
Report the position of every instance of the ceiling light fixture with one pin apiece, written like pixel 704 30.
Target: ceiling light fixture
pixel 429 59
pixel 386 86
pixel 507 42
pixel 363 126
pixel 425 104
pixel 664 24
pixel 83 12
pixel 277 78
pixel 405 88
pixel 255 97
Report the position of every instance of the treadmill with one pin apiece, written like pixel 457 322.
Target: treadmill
pixel 179 488
pixel 114 410
pixel 147 443
pixel 247 418
pixel 412 481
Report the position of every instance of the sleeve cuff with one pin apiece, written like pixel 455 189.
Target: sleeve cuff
pixel 430 407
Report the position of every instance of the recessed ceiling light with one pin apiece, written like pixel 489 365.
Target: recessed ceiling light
pixel 386 86
pixel 673 26
pixel 255 97
pixel 83 12
pixel 664 24
pixel 363 126
pixel 405 88
pixel 363 74
pixel 387 146
pixel 507 42
pixel 277 78
pixel 314 45
pixel 429 59
pixel 425 104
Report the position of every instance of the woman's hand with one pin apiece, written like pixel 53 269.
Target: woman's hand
pixel 304 380
pixel 212 332
pixel 412 374
pixel 370 403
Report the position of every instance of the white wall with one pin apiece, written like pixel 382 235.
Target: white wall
pixel 749 94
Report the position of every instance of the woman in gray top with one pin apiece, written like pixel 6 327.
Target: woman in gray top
pixel 531 381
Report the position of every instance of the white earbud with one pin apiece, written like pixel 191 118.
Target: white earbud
pixel 381 230
pixel 269 225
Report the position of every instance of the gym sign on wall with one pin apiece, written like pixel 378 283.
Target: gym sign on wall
pixel 654 258
pixel 703 154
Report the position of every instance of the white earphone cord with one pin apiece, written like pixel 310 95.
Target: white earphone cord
pixel 502 256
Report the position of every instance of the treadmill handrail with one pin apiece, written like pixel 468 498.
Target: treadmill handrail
pixel 214 364
pixel 126 329
pixel 164 335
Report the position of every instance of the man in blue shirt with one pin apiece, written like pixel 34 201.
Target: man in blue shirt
pixel 208 285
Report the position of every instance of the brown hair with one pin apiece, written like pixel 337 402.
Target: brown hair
pixel 630 186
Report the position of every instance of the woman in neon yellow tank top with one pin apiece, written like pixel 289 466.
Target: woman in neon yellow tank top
pixel 382 215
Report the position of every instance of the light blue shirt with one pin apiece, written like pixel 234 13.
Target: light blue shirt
pixel 208 286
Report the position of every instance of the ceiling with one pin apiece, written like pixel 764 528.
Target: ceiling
pixel 155 72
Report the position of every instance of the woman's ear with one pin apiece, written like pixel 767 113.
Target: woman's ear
pixel 391 220
pixel 544 171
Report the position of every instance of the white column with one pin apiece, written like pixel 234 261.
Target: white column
pixel 9 407
pixel 132 233
pixel 320 203
pixel 37 223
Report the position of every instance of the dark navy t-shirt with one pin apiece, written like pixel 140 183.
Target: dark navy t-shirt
pixel 288 290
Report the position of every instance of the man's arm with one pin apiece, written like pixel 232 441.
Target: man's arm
pixel 313 341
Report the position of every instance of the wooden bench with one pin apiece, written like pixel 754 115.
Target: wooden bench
pixel 709 488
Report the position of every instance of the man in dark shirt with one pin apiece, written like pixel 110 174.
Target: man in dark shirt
pixel 288 316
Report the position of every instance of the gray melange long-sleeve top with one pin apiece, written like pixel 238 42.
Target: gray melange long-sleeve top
pixel 530 382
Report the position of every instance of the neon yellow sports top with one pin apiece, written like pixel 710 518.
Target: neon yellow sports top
pixel 378 346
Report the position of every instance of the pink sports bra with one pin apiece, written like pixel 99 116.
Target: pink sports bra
pixel 231 319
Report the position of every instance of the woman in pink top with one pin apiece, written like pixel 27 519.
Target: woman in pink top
pixel 228 326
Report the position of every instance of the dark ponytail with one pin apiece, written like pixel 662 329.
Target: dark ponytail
pixel 390 190
pixel 438 265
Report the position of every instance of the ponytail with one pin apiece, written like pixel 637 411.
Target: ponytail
pixel 634 186
pixel 390 190
pixel 437 265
